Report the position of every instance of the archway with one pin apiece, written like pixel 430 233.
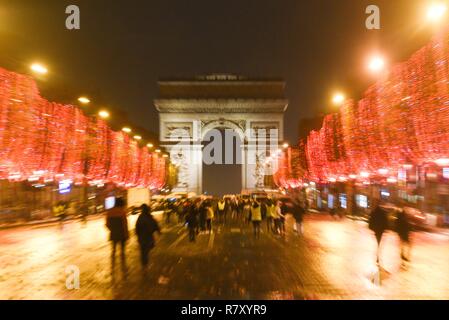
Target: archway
pixel 222 165
pixel 198 105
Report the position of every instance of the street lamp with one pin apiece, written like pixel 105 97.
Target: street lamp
pixel 84 100
pixel 136 137
pixel 158 150
pixel 436 12
pixel 126 129
pixel 103 114
pixel 39 68
pixel 376 64
pixel 338 99
pixel 442 162
pixel 285 145
pixel 150 145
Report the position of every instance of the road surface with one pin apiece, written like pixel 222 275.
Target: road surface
pixel 332 260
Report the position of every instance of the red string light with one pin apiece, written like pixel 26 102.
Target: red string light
pixel 403 119
pixel 46 140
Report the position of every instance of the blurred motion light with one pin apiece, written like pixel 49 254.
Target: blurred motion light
pixel 338 99
pixel 376 64
pixel 104 114
pixel 38 68
pixel 84 100
pixel 436 11
pixel 364 174
pixel 392 180
pixel 126 129
pixel 137 137
pixel 442 162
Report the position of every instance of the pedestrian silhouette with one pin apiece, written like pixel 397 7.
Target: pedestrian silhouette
pixel 378 223
pixel 117 224
pixel 146 226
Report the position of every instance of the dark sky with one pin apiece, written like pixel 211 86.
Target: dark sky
pixel 123 47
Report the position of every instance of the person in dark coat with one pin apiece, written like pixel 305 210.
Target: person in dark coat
pixel 298 214
pixel 117 224
pixel 192 221
pixel 378 223
pixel 202 215
pixel 403 228
pixel 146 226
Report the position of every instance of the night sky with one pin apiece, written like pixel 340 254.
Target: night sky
pixel 123 47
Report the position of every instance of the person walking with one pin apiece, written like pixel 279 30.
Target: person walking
pixel 283 209
pixel 117 224
pixel 203 215
pixel 277 218
pixel 403 228
pixel 146 226
pixel 59 210
pixel 256 218
pixel 298 215
pixel 209 216
pixel 270 215
pixel 192 221
pixel 280 215
pixel 247 212
pixel 378 223
pixel 228 211
pixel 221 206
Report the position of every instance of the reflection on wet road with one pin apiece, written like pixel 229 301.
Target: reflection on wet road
pixel 333 260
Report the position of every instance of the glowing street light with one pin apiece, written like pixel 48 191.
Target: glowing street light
pixel 364 174
pixel 126 129
pixel 39 68
pixel 158 150
pixel 436 12
pixel 150 145
pixel 338 99
pixel 137 137
pixel 84 100
pixel 103 114
pixel 376 64
pixel 442 162
pixel 285 145
pixel 165 156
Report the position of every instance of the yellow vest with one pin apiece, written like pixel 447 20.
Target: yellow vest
pixel 210 213
pixel 256 214
pixel 271 211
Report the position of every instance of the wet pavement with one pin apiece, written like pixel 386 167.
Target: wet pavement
pixel 332 260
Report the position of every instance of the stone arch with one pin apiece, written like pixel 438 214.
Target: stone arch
pixel 222 124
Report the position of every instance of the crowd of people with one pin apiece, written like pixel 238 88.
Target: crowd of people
pixel 200 215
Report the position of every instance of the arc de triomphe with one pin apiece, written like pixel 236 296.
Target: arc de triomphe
pixel 189 109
